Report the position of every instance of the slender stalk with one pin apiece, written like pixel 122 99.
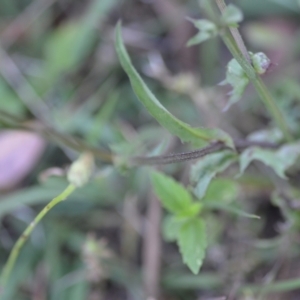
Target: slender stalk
pixel 23 238
pixel 173 158
pixel 235 33
pixel 237 48
pixel 240 145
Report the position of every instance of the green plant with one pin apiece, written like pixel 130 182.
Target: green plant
pixel 187 220
pixel 78 175
pixel 190 209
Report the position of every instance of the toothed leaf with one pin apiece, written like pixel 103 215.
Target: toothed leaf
pixel 237 78
pixel 207 30
pixel 192 243
pixel 279 160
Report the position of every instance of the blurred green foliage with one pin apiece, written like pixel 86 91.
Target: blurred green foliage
pixel 65 52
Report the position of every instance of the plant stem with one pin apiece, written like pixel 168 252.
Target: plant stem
pixel 240 145
pixel 23 238
pixel 237 48
pixel 235 33
pixel 180 157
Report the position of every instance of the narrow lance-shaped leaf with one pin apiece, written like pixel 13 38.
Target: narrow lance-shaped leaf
pixel 222 190
pixel 222 195
pixel 196 136
pixel 192 243
pixel 71 42
pixel 233 209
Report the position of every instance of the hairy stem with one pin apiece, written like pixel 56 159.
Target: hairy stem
pixel 173 158
pixel 240 145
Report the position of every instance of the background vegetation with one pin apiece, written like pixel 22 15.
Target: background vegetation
pixel 61 80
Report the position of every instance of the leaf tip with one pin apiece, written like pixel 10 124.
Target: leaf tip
pixel 119 24
pixel 118 29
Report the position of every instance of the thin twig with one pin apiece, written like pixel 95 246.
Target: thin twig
pixel 179 157
pixel 152 248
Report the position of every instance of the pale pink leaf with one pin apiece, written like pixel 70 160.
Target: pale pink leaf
pixel 20 151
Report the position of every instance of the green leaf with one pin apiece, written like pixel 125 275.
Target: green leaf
pixel 207 168
pixel 40 194
pixel 279 160
pixel 237 78
pixel 207 30
pixel 192 243
pixel 222 190
pixel 9 102
pixel 221 195
pixel 233 208
pixel 71 43
pixel 232 15
pixel 59 50
pixel 171 227
pixel 268 157
pixel 196 136
pixel 177 280
pixel 271 135
pixel 174 197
